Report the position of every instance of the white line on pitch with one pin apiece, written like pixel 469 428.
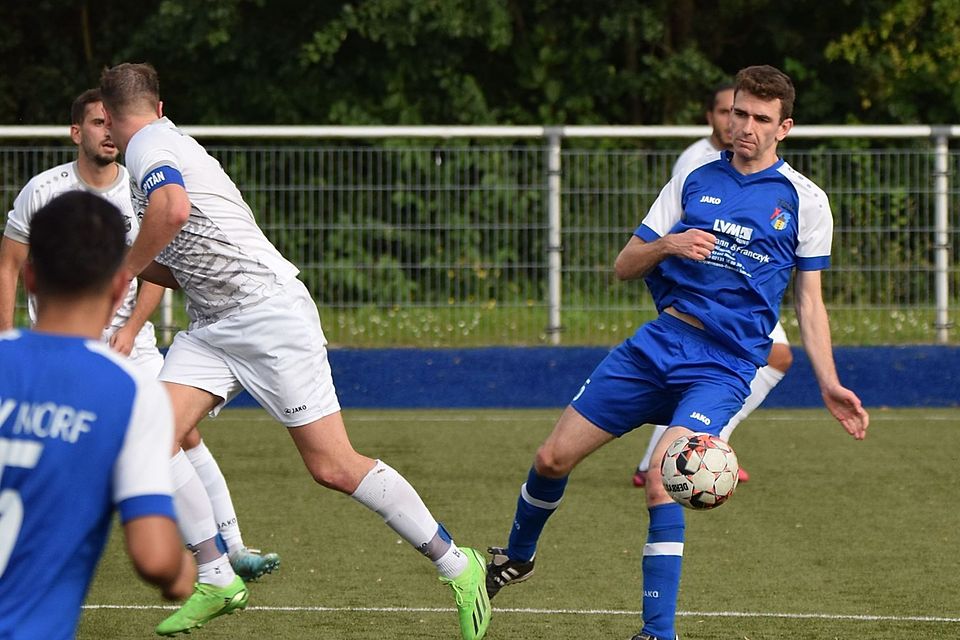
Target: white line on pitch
pixel 398 416
pixel 596 612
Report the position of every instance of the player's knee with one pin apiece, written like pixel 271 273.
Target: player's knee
pixel 780 358
pixel 549 464
pixel 334 478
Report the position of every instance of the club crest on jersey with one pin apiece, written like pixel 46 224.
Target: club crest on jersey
pixel 779 219
pixel 741 233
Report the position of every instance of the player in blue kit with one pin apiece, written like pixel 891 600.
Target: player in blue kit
pixel 717 250
pixel 82 432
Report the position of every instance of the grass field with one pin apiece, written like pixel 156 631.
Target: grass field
pixel 831 539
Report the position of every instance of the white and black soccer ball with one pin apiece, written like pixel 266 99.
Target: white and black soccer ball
pixel 700 471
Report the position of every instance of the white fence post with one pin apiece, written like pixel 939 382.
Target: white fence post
pixel 941 242
pixel 554 241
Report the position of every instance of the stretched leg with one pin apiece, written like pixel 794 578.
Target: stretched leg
pixel 573 438
pixel 333 463
pixel 249 564
pixel 663 553
pixel 219 589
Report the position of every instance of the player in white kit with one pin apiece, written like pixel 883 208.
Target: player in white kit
pixel 718 110
pixel 82 433
pixel 130 332
pixel 253 325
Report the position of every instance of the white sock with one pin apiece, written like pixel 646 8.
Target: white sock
pixel 216 485
pixel 196 523
pixel 766 379
pixel 217 572
pixel 658 431
pixel 386 492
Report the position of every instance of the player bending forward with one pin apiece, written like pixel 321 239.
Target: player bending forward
pixel 253 326
pixel 130 332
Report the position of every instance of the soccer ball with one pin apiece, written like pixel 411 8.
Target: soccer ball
pixel 700 471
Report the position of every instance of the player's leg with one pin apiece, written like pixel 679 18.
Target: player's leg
pixel 199 382
pixel 778 363
pixel 277 350
pixel 663 552
pixel 712 385
pixel 573 438
pixel 640 474
pixel 248 563
pixel 332 461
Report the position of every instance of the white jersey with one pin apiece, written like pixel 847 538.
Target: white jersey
pixel 693 156
pixel 221 259
pixel 49 184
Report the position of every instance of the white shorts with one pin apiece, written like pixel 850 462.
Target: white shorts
pixel 144 353
pixel 275 350
pixel 149 360
pixel 778 335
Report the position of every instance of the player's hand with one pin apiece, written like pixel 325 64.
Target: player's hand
pixel 847 409
pixel 182 587
pixel 122 341
pixel 128 277
pixel 695 244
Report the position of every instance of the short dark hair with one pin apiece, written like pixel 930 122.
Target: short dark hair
pixel 77 244
pixel 710 100
pixel 130 84
pixel 768 83
pixel 78 110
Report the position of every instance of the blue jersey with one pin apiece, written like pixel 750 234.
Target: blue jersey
pixel 81 433
pixel 766 224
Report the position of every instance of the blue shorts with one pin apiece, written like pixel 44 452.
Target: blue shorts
pixel 668 372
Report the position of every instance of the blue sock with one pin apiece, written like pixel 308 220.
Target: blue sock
pixel 662 559
pixel 539 498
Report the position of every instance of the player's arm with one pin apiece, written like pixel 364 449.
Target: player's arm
pixel 638 257
pixel 167 211
pixel 160 276
pixel 12 256
pixel 815 333
pixel 149 296
pixel 154 546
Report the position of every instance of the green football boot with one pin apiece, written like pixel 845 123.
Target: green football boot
pixel 206 603
pixel 470 593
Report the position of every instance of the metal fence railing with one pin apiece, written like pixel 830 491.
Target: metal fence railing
pixel 507 236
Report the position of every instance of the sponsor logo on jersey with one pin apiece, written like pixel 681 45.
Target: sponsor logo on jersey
pixel 710 199
pixel 740 232
pixel 779 219
pixel 696 415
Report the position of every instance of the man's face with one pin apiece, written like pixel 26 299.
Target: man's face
pixel 756 128
pixel 93 137
pixel 719 118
